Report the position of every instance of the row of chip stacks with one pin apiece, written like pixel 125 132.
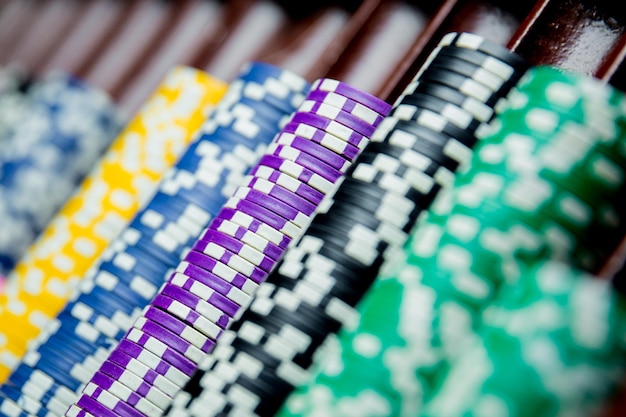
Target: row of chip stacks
pixel 360 208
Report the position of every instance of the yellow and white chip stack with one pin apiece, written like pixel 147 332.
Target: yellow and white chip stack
pixel 113 192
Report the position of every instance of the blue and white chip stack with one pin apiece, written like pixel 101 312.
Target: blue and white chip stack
pixel 68 126
pixel 129 273
pixel 217 279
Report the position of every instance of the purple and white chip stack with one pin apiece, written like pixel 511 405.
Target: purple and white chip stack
pixel 270 208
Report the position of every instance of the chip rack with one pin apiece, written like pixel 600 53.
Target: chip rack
pixel 558 33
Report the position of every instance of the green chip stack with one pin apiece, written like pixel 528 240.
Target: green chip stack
pixel 544 185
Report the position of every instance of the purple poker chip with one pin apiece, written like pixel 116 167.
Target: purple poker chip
pixel 180 328
pixel 237 279
pixel 206 293
pixel 187 315
pixel 323 138
pixel 131 396
pixel 277 191
pixel 297 171
pixel 332 127
pixel 94 407
pixel 248 237
pixel 192 301
pixel 231 259
pixel 193 266
pixel 334 113
pixel 340 162
pixel 287 181
pixel 150 343
pixel 346 90
pixel 151 368
pixel 348 105
pixel 123 376
pixel 264 215
pixel 170 338
pixel 273 204
pixel 306 160
pixel 219 284
pixel 240 248
pixel 109 401
pixel 252 224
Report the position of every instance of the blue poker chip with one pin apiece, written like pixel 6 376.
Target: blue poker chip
pixel 111 299
pixel 42 387
pixel 260 72
pixel 209 198
pixel 263 108
pixel 54 369
pixel 121 283
pixel 13 394
pixel 147 252
pixel 270 92
pixel 134 261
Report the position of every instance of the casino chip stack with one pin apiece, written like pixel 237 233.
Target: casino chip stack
pixel 64 127
pixel 111 194
pixel 127 276
pixel 217 279
pixel 312 293
pixel 545 183
pixel 559 334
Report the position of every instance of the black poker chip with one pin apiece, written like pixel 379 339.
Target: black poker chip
pixel 472 71
pixel 460 82
pixel 439 106
pixel 449 130
pixel 453 96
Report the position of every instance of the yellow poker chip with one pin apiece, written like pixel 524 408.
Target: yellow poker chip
pixel 114 191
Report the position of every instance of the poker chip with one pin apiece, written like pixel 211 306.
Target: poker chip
pixel 65 127
pixel 325 273
pixel 194 306
pixel 503 219
pixel 271 206
pixel 101 207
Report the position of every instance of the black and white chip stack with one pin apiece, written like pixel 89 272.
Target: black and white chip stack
pixel 129 273
pixel 312 292
pixel 218 277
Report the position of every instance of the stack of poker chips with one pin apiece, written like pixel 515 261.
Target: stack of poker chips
pixel 545 181
pixel 62 127
pixel 120 183
pixel 218 277
pixel 559 332
pixel 312 292
pixel 128 274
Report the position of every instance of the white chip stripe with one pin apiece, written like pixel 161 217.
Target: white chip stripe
pixel 158 348
pixel 330 135
pixel 202 324
pixel 343 103
pixel 208 310
pixel 146 361
pixel 288 228
pixel 194 340
pixel 264 230
pixel 228 274
pixel 328 141
pixel 316 181
pixel 236 262
pixel 235 294
pixel 142 404
pixel 250 238
pixel 287 181
pixel 301 220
